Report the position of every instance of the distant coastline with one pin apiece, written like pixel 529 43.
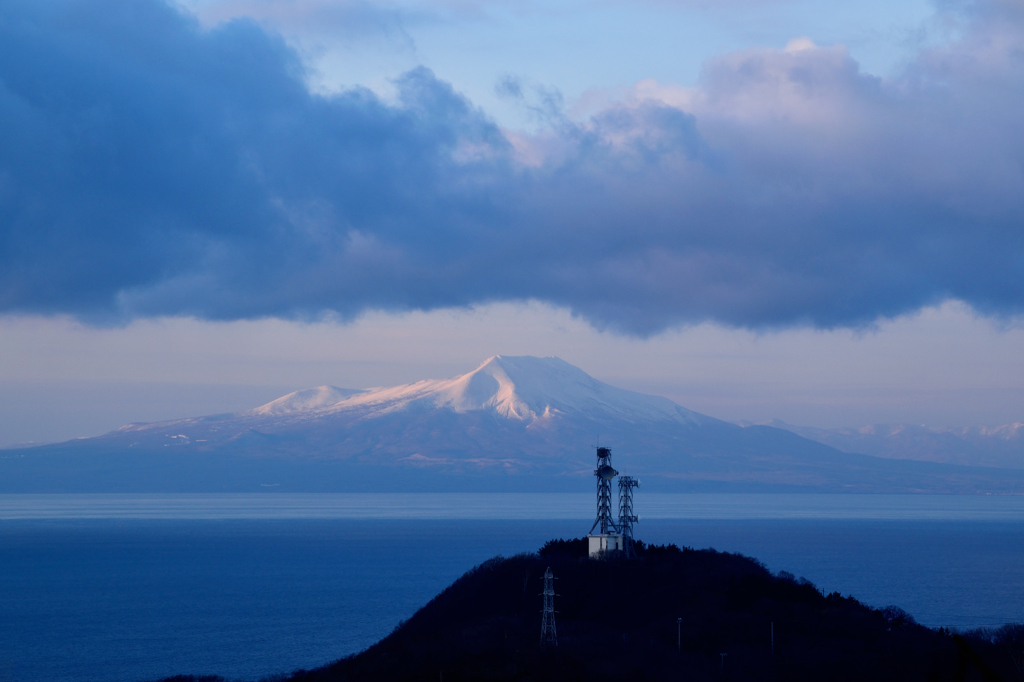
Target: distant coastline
pixel 507 506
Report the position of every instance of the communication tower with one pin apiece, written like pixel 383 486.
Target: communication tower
pixel 626 516
pixel 548 635
pixel 609 537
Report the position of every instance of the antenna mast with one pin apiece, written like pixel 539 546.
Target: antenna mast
pixel 547 623
pixel 626 516
pixel 605 473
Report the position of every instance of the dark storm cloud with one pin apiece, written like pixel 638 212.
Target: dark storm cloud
pixel 150 167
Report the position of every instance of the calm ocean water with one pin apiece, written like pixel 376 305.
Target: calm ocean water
pixel 127 588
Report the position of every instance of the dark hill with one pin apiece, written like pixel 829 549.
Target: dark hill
pixel 617 620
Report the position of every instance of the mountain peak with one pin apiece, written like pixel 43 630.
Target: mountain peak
pixel 488 386
pixel 516 387
pixel 526 388
pixel 521 388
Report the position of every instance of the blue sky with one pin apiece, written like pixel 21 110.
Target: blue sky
pixel 812 184
pixel 572 46
pixel 578 44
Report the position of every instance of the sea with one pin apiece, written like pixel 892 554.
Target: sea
pixel 129 588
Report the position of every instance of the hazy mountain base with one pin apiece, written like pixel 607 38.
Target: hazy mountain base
pixel 617 620
pixel 998 446
pixel 773 463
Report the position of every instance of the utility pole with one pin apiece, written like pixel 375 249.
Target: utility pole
pixel 773 638
pixel 679 634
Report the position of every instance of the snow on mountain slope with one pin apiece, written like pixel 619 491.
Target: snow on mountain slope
pixel 306 400
pixel 517 388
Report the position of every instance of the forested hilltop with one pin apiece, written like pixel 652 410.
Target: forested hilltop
pixel 617 619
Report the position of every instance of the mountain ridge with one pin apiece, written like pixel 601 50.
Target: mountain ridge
pixel 979 445
pixel 513 423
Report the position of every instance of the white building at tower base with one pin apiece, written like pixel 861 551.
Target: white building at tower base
pixel 609 542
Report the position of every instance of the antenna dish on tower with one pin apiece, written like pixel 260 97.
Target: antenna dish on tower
pixel 609 537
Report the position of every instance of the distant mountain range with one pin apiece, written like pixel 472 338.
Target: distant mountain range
pixel 514 423
pixel 990 446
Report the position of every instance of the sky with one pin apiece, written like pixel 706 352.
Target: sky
pixel 762 209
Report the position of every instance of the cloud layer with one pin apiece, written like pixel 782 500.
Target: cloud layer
pixel 149 166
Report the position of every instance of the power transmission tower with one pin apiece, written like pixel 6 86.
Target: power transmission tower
pixel 548 635
pixel 626 516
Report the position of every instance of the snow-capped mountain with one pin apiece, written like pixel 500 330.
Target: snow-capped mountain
pixel 524 389
pixel 514 423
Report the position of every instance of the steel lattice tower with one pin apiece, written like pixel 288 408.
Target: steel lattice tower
pixel 548 635
pixel 605 473
pixel 626 516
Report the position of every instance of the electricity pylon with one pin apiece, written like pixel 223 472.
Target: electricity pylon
pixel 548 635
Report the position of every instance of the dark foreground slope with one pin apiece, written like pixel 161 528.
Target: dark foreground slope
pixel 617 620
